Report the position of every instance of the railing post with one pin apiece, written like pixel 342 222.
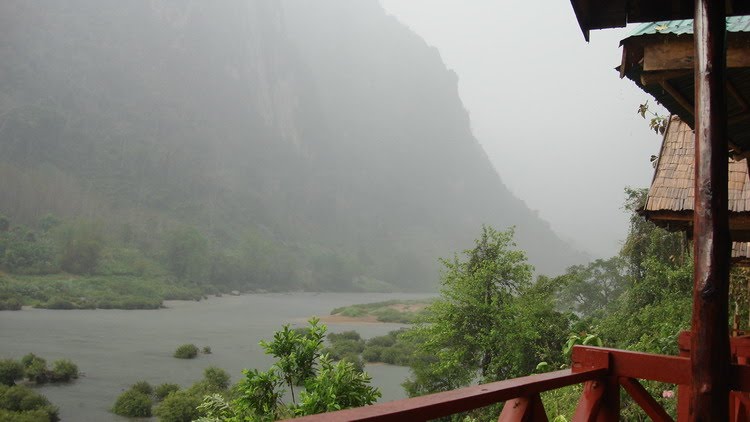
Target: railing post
pixel 710 357
pixel 599 402
pixel 524 409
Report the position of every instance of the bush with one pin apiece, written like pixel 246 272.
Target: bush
pixel 59 303
pixel 37 371
pixel 179 406
pixel 10 371
pixel 206 350
pixel 372 353
pixel 387 340
pixel 163 390
pixel 346 335
pixel 63 371
pixel 10 304
pixel 18 403
pixel 345 347
pixel 133 404
pixel 28 416
pixel 355 360
pixel 186 351
pixel 28 359
pixel 216 378
pixel 143 387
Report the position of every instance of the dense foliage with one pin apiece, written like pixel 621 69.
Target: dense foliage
pixel 492 322
pixel 133 404
pixel 173 404
pixel 328 385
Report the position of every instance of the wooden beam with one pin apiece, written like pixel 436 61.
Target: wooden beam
pixel 675 53
pixel 625 363
pixel 648 78
pixel 709 354
pixel 681 100
pixel 652 408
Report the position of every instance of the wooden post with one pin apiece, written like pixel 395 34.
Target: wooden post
pixel 710 356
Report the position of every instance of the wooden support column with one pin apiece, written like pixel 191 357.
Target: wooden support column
pixel 710 356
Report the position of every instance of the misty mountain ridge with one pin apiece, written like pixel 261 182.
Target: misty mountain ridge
pixel 323 141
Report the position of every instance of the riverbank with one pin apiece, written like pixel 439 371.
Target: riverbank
pixel 66 291
pixel 394 311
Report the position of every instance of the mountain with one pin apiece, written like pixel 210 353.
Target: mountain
pixel 324 132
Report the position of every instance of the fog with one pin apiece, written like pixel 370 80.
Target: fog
pixel 550 110
pixel 179 179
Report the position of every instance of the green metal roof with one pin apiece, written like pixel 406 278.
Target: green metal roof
pixel 685 26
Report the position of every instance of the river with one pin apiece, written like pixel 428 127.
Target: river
pixel 115 348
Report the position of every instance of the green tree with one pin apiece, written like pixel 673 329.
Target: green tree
pixel 464 332
pixel 296 352
pixel 593 288
pixel 645 240
pixel 336 386
pixel 328 386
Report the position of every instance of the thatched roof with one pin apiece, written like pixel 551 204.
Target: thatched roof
pixel 672 188
pixel 671 197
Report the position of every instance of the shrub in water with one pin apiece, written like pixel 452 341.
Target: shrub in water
pixel 346 335
pixel 32 405
pixel 206 350
pixel 36 370
pixel 10 371
pixel 179 406
pixel 63 371
pixel 143 387
pixel 186 351
pixel 30 358
pixel 372 354
pixel 162 390
pixel 216 378
pixel 133 404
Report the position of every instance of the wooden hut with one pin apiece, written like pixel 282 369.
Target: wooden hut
pixel 671 197
pixel 659 57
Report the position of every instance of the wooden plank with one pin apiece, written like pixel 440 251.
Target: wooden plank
pixel 652 408
pixel 436 405
pixel 709 351
pixel 624 363
pixel 591 402
pixel 675 53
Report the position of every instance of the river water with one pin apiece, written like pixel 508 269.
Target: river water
pixel 114 348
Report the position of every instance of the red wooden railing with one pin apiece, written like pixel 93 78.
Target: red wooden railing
pixel 602 371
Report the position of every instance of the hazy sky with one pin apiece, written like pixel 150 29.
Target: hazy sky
pixel 553 115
